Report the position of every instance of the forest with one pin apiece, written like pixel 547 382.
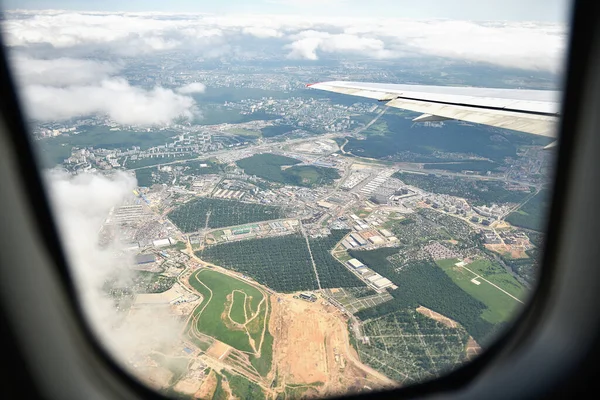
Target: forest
pixel 332 274
pixel 478 192
pixel 532 215
pixel 424 283
pixel 281 263
pixel 193 215
pixel 269 167
pixel 396 137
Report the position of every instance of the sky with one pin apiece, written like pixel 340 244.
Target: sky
pixel 509 10
pixel 78 56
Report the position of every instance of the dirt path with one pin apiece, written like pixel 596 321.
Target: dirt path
pixel 312 260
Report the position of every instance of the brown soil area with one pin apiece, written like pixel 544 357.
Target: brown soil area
pixel 311 345
pixel 208 387
pixel 187 386
pixel 218 350
pixel 500 225
pixel 227 389
pixel 155 377
pixel 472 349
pixel 437 316
pixel 507 250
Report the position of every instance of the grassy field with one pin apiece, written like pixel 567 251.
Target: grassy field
pixel 500 306
pixel 239 307
pixel 242 388
pixel 211 316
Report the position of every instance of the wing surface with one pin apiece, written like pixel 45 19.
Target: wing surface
pixel 531 111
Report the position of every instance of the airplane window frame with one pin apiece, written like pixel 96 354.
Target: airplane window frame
pixel 510 342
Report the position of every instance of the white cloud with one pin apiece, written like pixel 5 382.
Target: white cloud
pixel 194 87
pixel 60 71
pixel 81 203
pixel 309 42
pixel 261 32
pixel 113 97
pixel 529 45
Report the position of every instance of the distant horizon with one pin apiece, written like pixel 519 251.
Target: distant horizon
pixel 556 11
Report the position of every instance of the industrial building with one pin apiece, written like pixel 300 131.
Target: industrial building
pixel 354 263
pixel 382 283
pixel 144 259
pixel 308 297
pixel 163 242
pixel 359 239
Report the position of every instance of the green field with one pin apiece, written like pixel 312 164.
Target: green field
pixel 214 316
pixel 269 167
pixel 193 215
pixel 500 306
pixel 242 388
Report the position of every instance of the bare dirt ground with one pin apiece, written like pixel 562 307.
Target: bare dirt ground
pixel 507 250
pixel 311 345
pixel 218 350
pixel 187 386
pixel 437 316
pixel 500 225
pixel 227 389
pixel 472 348
pixel 155 377
pixel 208 387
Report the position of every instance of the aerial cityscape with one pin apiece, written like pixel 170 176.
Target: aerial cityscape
pixel 241 235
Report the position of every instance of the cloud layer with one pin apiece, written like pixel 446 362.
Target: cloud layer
pixel 63 88
pixel 81 203
pixel 528 45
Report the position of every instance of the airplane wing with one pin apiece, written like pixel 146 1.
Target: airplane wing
pixel 531 111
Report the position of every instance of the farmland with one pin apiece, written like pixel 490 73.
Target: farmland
pixel 270 167
pixel 214 316
pixel 192 216
pixel 409 347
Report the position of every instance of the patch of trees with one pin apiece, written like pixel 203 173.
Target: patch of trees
pixel 477 191
pixel 149 176
pixel 192 216
pixel 532 215
pixel 332 274
pixel 424 283
pixel 281 263
pixel 269 167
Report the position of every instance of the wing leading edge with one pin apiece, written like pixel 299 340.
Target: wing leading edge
pixel 531 111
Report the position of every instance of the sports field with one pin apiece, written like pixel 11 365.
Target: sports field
pixel 232 311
